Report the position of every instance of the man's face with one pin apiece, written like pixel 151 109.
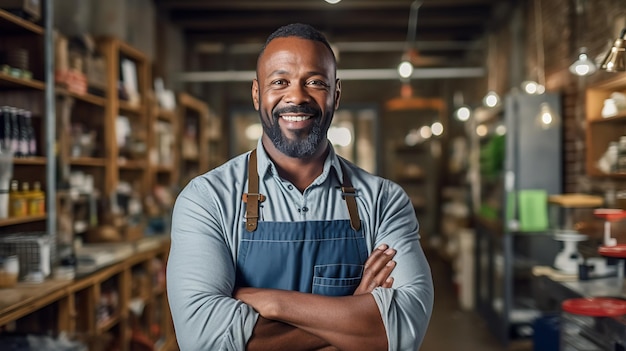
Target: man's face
pixel 296 94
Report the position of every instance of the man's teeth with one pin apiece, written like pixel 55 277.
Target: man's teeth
pixel 296 118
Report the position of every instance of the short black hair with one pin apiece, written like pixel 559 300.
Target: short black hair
pixel 300 30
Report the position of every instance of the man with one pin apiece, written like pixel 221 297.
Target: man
pixel 290 247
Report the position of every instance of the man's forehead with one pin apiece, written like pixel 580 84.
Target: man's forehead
pixel 288 44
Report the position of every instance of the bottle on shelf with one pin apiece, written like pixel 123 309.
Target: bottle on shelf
pixel 22 137
pixel 14 131
pixel 5 127
pixel 36 200
pixel 30 134
pixel 17 201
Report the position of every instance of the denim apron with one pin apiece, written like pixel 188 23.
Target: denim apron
pixel 321 257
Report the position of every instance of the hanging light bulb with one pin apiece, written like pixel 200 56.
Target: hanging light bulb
pixel 463 113
pixel 533 88
pixel 405 69
pixel 492 99
pixel 546 118
pixel 583 66
pixel 332 1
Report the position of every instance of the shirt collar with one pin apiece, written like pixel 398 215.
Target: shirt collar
pixel 265 166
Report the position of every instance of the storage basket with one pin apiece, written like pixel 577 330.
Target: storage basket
pixel 32 250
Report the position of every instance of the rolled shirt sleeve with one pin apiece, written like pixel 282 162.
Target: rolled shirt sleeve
pixel 201 277
pixel 406 308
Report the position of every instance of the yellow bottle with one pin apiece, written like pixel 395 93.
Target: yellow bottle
pixel 36 200
pixel 18 206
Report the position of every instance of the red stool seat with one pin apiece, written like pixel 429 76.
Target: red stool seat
pixel 617 251
pixel 595 306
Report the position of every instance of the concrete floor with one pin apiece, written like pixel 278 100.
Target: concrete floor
pixel 452 328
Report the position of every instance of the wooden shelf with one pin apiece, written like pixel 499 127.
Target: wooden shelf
pixel 87 98
pixel 8 81
pixel 125 106
pixel 11 24
pixel 21 220
pixel 30 161
pixel 88 161
pixel 619 118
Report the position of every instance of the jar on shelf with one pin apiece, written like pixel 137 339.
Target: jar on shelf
pixel 621 155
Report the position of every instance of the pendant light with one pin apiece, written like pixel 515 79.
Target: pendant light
pixel 615 59
pixel 491 99
pixel 583 66
pixel 539 87
pixel 547 118
pixel 405 68
pixel 462 111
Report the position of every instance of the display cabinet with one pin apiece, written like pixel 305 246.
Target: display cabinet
pixel 606 119
pixel 514 161
pixel 23 87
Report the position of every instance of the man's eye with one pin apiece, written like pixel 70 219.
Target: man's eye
pixel 318 83
pixel 279 82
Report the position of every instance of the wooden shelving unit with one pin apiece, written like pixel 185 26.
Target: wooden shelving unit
pixel 77 302
pixel 97 306
pixel 25 92
pixel 193 129
pixel 601 131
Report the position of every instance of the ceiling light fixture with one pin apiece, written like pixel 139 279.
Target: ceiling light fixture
pixel 332 1
pixel 462 112
pixel 615 59
pixel 405 68
pixel 491 99
pixel 546 118
pixel 583 66
pixel 538 87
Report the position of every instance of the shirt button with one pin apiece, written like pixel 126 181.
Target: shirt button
pixel 290 187
pixel 304 209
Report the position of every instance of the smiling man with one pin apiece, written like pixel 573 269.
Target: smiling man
pixel 289 246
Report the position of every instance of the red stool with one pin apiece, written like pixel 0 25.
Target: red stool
pixel 582 324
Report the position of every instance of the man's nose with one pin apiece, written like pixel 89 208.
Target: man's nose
pixel 297 94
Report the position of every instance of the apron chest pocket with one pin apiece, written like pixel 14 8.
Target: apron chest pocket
pixel 336 279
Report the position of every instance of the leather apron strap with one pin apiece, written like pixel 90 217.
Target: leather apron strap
pixel 349 193
pixel 252 198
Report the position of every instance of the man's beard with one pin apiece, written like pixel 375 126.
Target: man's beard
pixel 306 142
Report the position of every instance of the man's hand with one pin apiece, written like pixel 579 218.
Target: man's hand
pixel 377 270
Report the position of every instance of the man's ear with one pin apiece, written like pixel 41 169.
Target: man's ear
pixel 255 94
pixel 337 93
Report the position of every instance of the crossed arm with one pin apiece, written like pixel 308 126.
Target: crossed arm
pixel 292 320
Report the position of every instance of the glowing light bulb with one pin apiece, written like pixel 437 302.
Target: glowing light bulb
pixel 405 69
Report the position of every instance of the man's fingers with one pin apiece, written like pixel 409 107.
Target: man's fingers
pixel 381 278
pixel 377 270
pixel 388 283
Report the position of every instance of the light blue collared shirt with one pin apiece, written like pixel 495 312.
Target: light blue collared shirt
pixel 207 223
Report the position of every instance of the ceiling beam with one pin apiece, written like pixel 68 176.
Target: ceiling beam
pixel 346 74
pixel 312 4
